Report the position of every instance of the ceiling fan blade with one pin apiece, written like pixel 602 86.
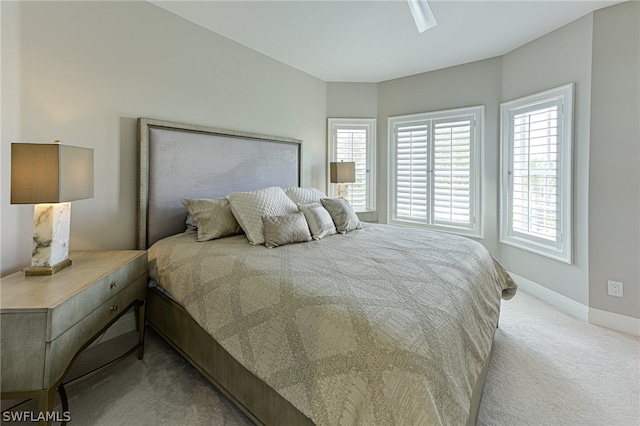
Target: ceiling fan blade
pixel 422 15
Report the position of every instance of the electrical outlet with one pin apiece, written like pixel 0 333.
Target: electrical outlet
pixel 615 288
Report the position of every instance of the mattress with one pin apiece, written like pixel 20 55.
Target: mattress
pixel 383 325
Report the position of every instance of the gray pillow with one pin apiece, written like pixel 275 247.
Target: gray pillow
pixel 285 229
pixel 213 217
pixel 343 215
pixel 319 220
pixel 190 223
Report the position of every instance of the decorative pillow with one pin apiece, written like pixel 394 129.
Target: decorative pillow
pixel 191 223
pixel 213 217
pixel 319 220
pixel 342 213
pixel 285 229
pixel 304 195
pixel 249 207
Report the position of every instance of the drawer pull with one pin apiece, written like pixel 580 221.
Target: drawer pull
pixel 114 284
pixel 114 308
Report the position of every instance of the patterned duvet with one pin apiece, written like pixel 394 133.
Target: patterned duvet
pixel 383 325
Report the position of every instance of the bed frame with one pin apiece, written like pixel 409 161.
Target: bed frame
pixel 179 161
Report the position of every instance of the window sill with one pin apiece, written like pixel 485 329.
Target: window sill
pixel 368 216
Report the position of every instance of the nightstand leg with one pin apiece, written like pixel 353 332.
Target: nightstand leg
pixel 140 313
pixel 45 405
pixel 64 402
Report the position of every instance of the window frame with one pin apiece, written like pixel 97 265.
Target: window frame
pixel 476 227
pixel 369 125
pixel 560 249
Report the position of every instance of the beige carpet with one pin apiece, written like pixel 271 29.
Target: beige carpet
pixel 547 369
pixel 551 369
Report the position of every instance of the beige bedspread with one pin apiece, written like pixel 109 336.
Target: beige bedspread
pixel 383 325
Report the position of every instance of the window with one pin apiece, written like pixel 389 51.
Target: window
pixel 435 170
pixel 354 139
pixel 535 178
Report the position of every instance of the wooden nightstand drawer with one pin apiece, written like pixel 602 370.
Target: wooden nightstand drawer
pixel 72 310
pixel 69 342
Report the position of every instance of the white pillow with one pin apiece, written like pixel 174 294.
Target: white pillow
pixel 319 220
pixel 249 207
pixel 304 195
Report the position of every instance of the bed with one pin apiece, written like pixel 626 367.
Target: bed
pixel 366 324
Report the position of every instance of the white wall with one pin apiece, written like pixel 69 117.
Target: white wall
pixel 82 72
pixel 614 177
pixel 558 58
pixel 352 100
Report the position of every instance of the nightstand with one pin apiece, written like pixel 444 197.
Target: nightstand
pixel 46 321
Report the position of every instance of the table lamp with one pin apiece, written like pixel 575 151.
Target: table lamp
pixel 342 173
pixel 50 176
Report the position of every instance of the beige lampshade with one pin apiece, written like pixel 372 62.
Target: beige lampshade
pixel 342 172
pixel 50 173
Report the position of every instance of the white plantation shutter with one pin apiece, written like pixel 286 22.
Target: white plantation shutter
pixel 534 169
pixel 411 173
pixel 536 173
pixel 351 145
pixel 452 171
pixel 353 139
pixel 435 170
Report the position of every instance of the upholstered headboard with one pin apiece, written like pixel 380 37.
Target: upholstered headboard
pixel 179 161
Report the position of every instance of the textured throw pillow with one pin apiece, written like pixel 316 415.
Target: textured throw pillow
pixel 319 220
pixel 213 217
pixel 342 213
pixel 249 207
pixel 285 229
pixel 304 195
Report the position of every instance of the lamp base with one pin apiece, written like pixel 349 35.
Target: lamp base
pixel 343 190
pixel 47 270
pixel 50 250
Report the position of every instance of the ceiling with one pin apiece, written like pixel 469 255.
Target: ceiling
pixel 374 40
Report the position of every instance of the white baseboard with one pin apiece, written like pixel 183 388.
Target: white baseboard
pixel 569 306
pixel 563 303
pixel 615 321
